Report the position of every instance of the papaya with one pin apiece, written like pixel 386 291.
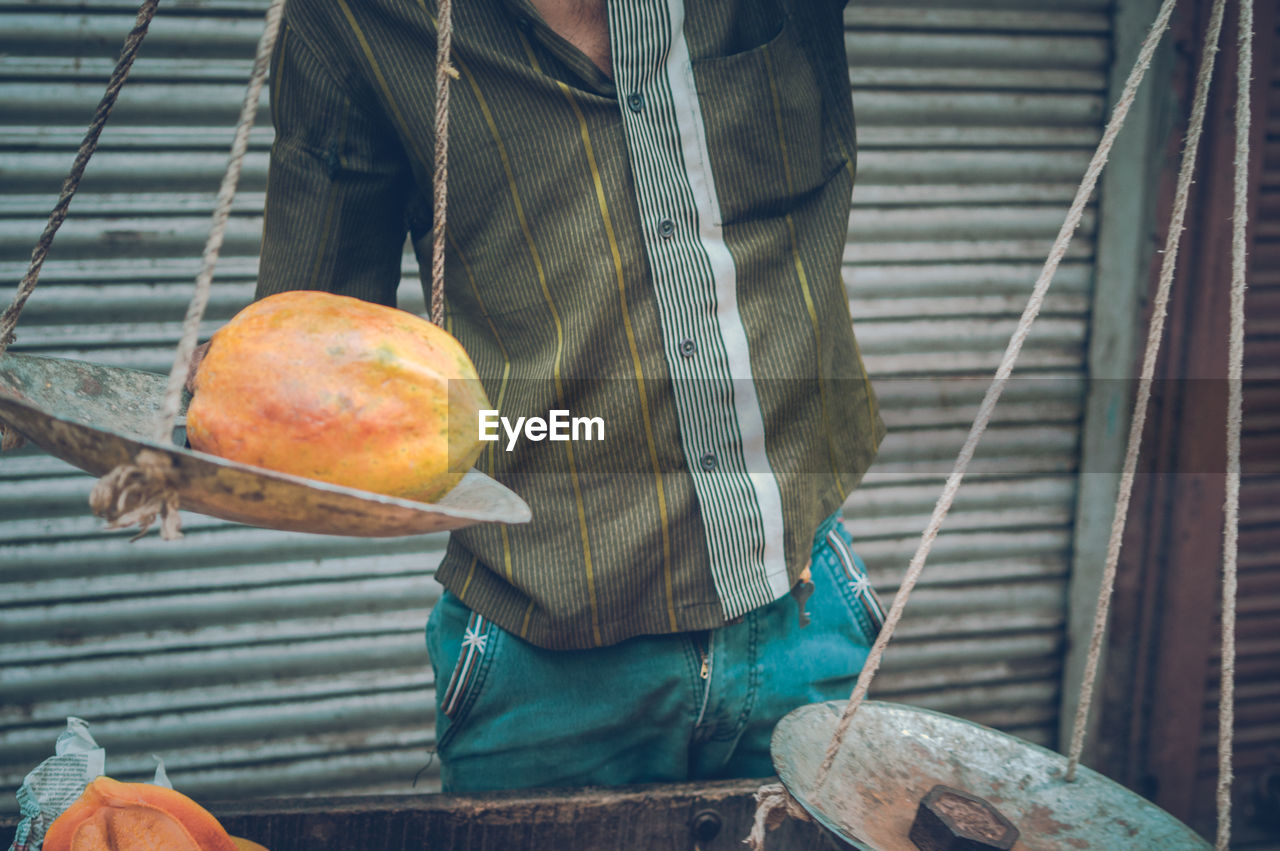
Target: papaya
pixel 115 816
pixel 341 390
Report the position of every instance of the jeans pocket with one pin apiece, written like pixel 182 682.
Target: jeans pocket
pixel 471 641
pixel 835 551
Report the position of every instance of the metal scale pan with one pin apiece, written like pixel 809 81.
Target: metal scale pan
pixel 95 416
pixel 892 755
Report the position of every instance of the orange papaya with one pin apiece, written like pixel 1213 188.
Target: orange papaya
pixel 337 389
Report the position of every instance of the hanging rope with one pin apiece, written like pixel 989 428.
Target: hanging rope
pixel 132 43
pixel 217 232
pixel 1235 403
pixel 1155 334
pixel 985 411
pixel 10 439
pixel 144 487
pixel 440 180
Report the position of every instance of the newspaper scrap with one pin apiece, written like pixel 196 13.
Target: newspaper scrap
pixel 56 783
pixel 162 776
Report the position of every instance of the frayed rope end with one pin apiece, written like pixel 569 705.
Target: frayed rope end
pixel 773 804
pixel 137 493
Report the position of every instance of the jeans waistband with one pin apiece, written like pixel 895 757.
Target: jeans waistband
pixel 826 526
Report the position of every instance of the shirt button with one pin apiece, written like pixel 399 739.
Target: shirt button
pixel 688 348
pixel 666 227
pixel 708 462
pixel 635 101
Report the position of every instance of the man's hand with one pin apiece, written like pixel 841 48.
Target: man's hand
pixel 196 357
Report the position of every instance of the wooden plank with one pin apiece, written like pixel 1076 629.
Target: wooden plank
pixel 650 817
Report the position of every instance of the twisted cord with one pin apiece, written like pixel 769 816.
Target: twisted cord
pixel 9 437
pixel 132 43
pixel 217 231
pixel 1155 334
pixel 1235 403
pixel 440 180
pixel 773 804
pixel 985 411
pixel 138 492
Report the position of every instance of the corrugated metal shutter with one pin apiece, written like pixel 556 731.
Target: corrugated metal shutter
pixel 257 662
pixel 1257 700
pixel 976 122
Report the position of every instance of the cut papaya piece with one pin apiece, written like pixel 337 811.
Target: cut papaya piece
pixel 116 816
pixel 131 828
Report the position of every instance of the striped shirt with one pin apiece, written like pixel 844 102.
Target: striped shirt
pixel 660 248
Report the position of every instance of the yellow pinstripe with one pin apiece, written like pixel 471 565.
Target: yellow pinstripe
pixel 862 368
pixel 502 385
pixel 631 339
pixel 524 625
pixel 555 316
pixel 331 203
pixel 376 68
pixel 800 273
pixel 471 573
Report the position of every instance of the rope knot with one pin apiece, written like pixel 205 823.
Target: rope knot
pixel 773 805
pixel 139 492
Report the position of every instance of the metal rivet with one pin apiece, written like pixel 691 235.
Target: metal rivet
pixel 706 826
pixel 708 462
pixel 688 348
pixel 635 101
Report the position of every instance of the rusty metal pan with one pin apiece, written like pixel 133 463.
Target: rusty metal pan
pixel 95 417
pixel 893 755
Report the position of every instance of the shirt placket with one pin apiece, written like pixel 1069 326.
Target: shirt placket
pixel 694 279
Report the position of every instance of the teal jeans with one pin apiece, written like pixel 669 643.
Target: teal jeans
pixel 661 708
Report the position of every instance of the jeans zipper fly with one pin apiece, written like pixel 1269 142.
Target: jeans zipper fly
pixel 705 672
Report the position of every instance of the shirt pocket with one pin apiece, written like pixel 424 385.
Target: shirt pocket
pixel 769 135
